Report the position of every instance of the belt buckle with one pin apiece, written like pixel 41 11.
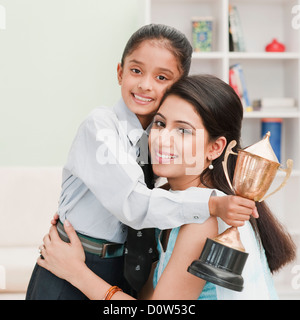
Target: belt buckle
pixel 111 250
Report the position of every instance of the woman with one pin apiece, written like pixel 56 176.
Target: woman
pixel 197 118
pixel 154 58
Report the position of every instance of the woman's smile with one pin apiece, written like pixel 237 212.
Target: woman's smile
pixel 163 157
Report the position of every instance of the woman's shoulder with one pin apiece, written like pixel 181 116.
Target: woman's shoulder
pixel 199 232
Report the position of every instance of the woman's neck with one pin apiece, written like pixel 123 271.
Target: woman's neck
pixel 185 182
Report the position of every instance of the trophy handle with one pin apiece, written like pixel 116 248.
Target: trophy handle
pixel 229 151
pixel 288 172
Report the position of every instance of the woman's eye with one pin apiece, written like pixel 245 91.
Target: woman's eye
pixel 162 78
pixel 159 124
pixel 185 131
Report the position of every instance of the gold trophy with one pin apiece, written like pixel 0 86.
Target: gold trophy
pixel 223 258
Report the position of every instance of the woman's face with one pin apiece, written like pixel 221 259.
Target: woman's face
pixel 179 142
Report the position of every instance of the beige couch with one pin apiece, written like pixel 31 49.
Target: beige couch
pixel 28 199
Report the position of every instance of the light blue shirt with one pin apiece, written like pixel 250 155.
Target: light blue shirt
pixel 258 282
pixel 209 291
pixel 103 188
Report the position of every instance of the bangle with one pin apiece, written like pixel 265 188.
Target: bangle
pixel 111 291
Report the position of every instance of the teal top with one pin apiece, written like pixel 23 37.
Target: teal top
pixel 209 290
pixel 258 282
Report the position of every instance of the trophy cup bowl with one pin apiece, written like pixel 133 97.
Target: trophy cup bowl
pixel 223 258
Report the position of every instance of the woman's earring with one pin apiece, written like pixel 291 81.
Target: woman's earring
pixel 210 167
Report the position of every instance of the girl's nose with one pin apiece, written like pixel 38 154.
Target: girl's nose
pixel 145 84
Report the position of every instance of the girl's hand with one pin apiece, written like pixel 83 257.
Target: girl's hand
pixel 233 210
pixel 55 219
pixel 63 259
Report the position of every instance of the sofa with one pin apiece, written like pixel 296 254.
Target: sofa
pixel 28 199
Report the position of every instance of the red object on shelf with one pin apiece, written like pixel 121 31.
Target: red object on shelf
pixel 275 46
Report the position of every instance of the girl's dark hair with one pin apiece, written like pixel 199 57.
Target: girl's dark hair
pixel 221 111
pixel 172 39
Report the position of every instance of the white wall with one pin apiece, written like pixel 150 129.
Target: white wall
pixel 58 61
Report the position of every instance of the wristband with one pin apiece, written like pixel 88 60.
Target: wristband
pixel 111 291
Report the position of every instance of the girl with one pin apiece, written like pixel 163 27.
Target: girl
pixel 198 117
pixel 103 187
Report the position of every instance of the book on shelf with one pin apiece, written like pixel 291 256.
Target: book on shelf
pixel 274 126
pixel 202 34
pixel 238 83
pixel 236 36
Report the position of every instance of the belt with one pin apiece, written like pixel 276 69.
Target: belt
pixel 99 247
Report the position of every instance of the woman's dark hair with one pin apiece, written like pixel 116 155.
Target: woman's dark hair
pixel 171 38
pixel 221 111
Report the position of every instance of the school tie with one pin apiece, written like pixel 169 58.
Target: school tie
pixel 141 249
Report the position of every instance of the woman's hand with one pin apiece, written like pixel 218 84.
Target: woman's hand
pixel 65 260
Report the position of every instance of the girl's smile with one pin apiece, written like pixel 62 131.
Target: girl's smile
pixel 141 99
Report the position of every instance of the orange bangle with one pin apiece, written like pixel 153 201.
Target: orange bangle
pixel 111 291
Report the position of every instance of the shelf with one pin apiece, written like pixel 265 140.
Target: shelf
pixel 269 114
pixel 260 2
pixel 295 174
pixel 208 55
pixel 247 55
pixel 264 55
pixel 294 232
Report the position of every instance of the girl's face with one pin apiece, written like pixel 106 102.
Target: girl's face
pixel 145 76
pixel 179 143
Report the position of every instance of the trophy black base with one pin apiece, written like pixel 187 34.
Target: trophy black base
pixel 221 265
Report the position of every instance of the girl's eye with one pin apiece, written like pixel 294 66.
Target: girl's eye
pixel 137 71
pixel 162 78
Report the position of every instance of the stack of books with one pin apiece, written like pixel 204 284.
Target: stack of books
pixel 238 83
pixel 236 36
